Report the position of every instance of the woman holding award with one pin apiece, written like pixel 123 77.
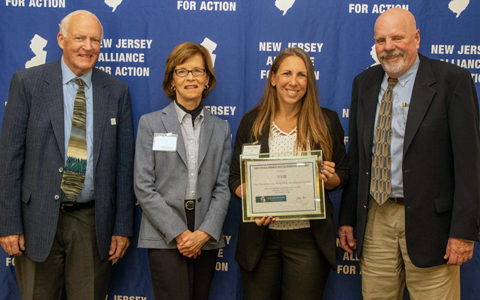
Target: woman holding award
pixel 289 259
pixel 181 179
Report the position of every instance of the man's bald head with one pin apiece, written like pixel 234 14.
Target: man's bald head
pixel 396 41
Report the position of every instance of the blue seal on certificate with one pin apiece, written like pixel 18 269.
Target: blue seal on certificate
pixel 276 198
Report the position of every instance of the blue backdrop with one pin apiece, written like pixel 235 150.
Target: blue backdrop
pixel 243 36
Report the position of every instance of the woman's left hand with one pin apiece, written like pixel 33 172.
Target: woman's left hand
pixel 328 174
pixel 191 245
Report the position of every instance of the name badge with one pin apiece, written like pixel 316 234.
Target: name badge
pixel 165 142
pixel 251 150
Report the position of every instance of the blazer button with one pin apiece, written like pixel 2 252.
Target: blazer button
pixel 199 171
pixel 199 199
pixel 60 170
pixel 367 173
pixel 364 206
pixel 56 197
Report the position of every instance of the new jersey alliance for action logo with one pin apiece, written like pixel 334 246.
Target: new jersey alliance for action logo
pixel 210 46
pixel 458 6
pixel 37 44
pixel 284 5
pixel 113 3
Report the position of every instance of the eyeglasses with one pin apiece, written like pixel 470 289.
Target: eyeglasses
pixel 184 72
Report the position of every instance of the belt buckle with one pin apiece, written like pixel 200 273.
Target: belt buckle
pixel 190 205
pixel 398 200
pixel 66 205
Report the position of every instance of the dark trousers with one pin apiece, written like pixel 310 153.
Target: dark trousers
pixel 73 263
pixel 291 267
pixel 177 277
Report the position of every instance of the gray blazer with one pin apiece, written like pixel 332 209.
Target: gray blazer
pixel 32 157
pixel 160 180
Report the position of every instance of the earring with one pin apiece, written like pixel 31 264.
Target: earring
pixel 173 88
pixel 206 86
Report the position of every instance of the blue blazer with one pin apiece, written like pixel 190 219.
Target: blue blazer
pixel 32 156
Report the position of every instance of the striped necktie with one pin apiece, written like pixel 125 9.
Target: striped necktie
pixel 76 166
pixel 380 184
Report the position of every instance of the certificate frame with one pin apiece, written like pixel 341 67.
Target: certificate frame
pixel 284 185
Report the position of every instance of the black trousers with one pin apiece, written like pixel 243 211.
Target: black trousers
pixel 177 277
pixel 291 267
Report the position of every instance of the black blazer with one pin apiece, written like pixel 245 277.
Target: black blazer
pixel 252 238
pixel 441 159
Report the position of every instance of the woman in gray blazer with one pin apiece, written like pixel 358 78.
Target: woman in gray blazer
pixel 181 179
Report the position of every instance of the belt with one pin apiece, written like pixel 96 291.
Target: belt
pixel 397 200
pixel 74 206
pixel 189 204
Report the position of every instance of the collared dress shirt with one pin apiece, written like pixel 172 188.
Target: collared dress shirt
pixel 191 138
pixel 402 94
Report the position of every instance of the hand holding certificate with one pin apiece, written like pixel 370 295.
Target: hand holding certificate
pixel 288 187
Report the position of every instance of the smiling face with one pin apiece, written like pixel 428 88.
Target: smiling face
pixel 81 45
pixel 290 81
pixel 396 41
pixel 189 89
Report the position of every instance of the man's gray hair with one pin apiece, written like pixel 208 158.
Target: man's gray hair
pixel 64 24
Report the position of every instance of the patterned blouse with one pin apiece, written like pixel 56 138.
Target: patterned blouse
pixel 279 142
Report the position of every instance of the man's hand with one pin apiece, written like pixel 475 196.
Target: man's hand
pixel 13 244
pixel 118 247
pixel 192 244
pixel 347 242
pixel 458 251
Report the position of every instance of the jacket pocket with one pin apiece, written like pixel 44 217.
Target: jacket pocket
pixel 443 204
pixel 26 194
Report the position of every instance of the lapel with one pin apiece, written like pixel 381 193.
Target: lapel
pixel 53 95
pixel 171 124
pixel 100 100
pixel 369 102
pixel 422 96
pixel 205 135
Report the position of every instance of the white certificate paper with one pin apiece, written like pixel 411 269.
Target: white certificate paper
pixel 282 186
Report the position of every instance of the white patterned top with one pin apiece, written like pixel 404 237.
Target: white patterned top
pixel 278 142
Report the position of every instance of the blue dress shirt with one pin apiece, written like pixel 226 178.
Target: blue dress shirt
pixel 402 94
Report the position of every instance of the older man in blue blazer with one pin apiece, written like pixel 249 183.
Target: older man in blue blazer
pixel 66 171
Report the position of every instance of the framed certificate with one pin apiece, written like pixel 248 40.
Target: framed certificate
pixel 284 185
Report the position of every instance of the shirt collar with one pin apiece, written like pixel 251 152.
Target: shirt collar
pixel 406 77
pixel 182 114
pixel 68 75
